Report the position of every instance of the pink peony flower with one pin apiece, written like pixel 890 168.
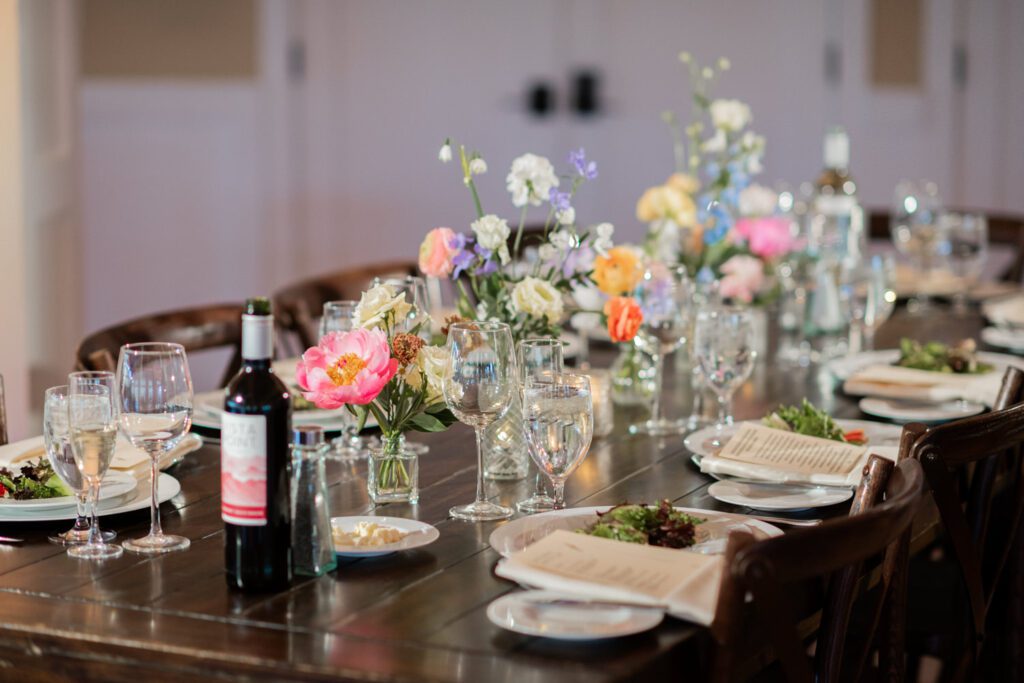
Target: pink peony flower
pixel 346 368
pixel 436 252
pixel 768 237
pixel 744 276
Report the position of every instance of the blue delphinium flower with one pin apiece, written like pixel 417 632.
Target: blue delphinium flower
pixel 584 168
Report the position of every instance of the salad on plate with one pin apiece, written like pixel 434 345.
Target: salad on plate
pixel 960 358
pixel 810 421
pixel 659 525
pixel 34 481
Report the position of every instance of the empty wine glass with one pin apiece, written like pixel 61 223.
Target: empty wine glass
pixel 62 458
pixel 666 298
pixel 339 316
pixel 478 385
pixel 538 359
pixel 559 415
pixel 968 251
pixel 154 391
pixel 92 431
pixel 415 290
pixel 918 233
pixel 868 290
pixel 724 345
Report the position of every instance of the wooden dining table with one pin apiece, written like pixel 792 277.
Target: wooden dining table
pixel 413 616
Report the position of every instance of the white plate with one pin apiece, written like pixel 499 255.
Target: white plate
pixel 916 411
pixel 114 485
pixel 521 613
pixel 711 535
pixel 843 368
pixel 701 442
pixel 418 534
pixel 1004 338
pixel 136 500
pixel 209 406
pixel 777 496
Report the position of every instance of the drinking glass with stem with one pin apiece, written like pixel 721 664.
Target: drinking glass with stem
pixel 154 391
pixel 559 414
pixel 57 441
pixel 868 291
pixel 539 360
pixel 665 296
pixel 919 234
pixel 339 316
pixel 478 386
pixel 724 345
pixel 92 431
pixel 968 252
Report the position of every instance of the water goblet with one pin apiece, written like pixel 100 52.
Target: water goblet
pixel 339 316
pixel 538 359
pixel 478 386
pixel 968 252
pixel 559 415
pixel 918 233
pixel 724 345
pixel 154 393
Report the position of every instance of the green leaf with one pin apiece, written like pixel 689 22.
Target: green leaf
pixel 424 422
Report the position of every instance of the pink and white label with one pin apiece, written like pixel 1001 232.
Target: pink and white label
pixel 243 469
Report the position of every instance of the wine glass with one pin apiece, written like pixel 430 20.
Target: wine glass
pixel 868 290
pixel 559 415
pixel 968 251
pixel 665 296
pixel 918 233
pixel 92 431
pixel 723 341
pixel 339 316
pixel 539 359
pixel 478 386
pixel 415 290
pixel 62 459
pixel 154 391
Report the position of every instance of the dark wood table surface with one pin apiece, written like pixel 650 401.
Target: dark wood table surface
pixel 414 616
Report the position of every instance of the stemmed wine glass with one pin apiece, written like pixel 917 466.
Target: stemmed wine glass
pixel 339 316
pixel 415 290
pixel 968 251
pixel 723 341
pixel 665 297
pixel 559 415
pixel 868 289
pixel 539 360
pixel 478 386
pixel 918 233
pixel 92 431
pixel 154 390
pixel 62 458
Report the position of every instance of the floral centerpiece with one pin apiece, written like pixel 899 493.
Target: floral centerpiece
pixel 385 370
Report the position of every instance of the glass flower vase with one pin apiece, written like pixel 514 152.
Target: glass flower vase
pixel 393 475
pixel 633 377
pixel 505 455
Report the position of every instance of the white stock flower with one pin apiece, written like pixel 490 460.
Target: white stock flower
pixel 715 143
pixel 729 115
pixel 603 238
pixel 537 298
pixel 430 364
pixel 492 233
pixel 377 302
pixel 757 200
pixel 530 180
pixel 566 216
pixel 445 155
pixel 477 166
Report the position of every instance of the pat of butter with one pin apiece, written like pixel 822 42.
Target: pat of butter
pixel 368 534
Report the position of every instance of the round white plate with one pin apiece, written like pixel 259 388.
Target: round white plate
pixel 114 485
pixel 711 535
pixel 702 441
pixel 526 612
pixel 1004 338
pixel 135 500
pixel 777 496
pixel 843 368
pixel 418 534
pixel 914 411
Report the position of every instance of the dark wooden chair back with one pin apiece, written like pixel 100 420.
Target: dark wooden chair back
pixel 298 306
pixel 197 329
pixel 837 550
pixel 3 414
pixel 964 463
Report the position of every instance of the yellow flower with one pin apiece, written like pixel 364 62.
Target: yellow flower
pixel 684 182
pixel 619 272
pixel 666 201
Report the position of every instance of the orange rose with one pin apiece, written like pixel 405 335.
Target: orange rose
pixel 619 272
pixel 624 318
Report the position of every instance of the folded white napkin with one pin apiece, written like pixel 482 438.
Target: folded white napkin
pixel 127 458
pixel 734 468
pixel 890 381
pixel 1008 311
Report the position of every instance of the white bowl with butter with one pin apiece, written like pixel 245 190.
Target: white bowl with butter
pixel 368 536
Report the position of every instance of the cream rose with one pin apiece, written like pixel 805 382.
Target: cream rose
pixel 430 365
pixel 377 302
pixel 538 298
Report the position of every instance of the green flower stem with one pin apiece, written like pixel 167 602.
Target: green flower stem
pixel 391 472
pixel 519 231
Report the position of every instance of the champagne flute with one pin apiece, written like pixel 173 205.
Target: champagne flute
pixel 665 297
pixel 478 385
pixel 92 430
pixel 154 391
pixel 339 316
pixel 723 340
pixel 559 414
pixel 539 359
pixel 62 459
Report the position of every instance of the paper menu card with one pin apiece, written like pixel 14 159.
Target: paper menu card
pixel 684 583
pixel 776 448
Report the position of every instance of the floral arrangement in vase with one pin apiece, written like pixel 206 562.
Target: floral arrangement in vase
pixel 708 215
pixel 385 369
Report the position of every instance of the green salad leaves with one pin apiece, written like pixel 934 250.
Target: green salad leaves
pixel 810 421
pixel 659 525
pixel 961 358
pixel 33 482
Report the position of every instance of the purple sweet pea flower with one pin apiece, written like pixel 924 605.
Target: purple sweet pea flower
pixel 560 201
pixel 578 260
pixel 463 260
pixel 578 159
pixel 487 267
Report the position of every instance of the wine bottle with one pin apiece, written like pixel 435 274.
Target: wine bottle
pixel 837 220
pixel 255 492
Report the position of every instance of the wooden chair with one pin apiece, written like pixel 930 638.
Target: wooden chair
pixel 197 329
pixel 970 465
pixel 298 306
pixel 837 549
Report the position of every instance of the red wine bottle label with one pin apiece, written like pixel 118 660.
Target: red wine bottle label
pixel 243 469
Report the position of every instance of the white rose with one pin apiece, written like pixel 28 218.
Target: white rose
pixel 477 166
pixel 492 233
pixel 537 298
pixel 445 155
pixel 377 302
pixel 566 216
pixel 729 115
pixel 530 180
pixel 715 143
pixel 603 241
pixel 430 365
pixel 757 200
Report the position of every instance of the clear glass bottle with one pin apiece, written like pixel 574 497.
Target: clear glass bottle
pixel 312 544
pixel 836 219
